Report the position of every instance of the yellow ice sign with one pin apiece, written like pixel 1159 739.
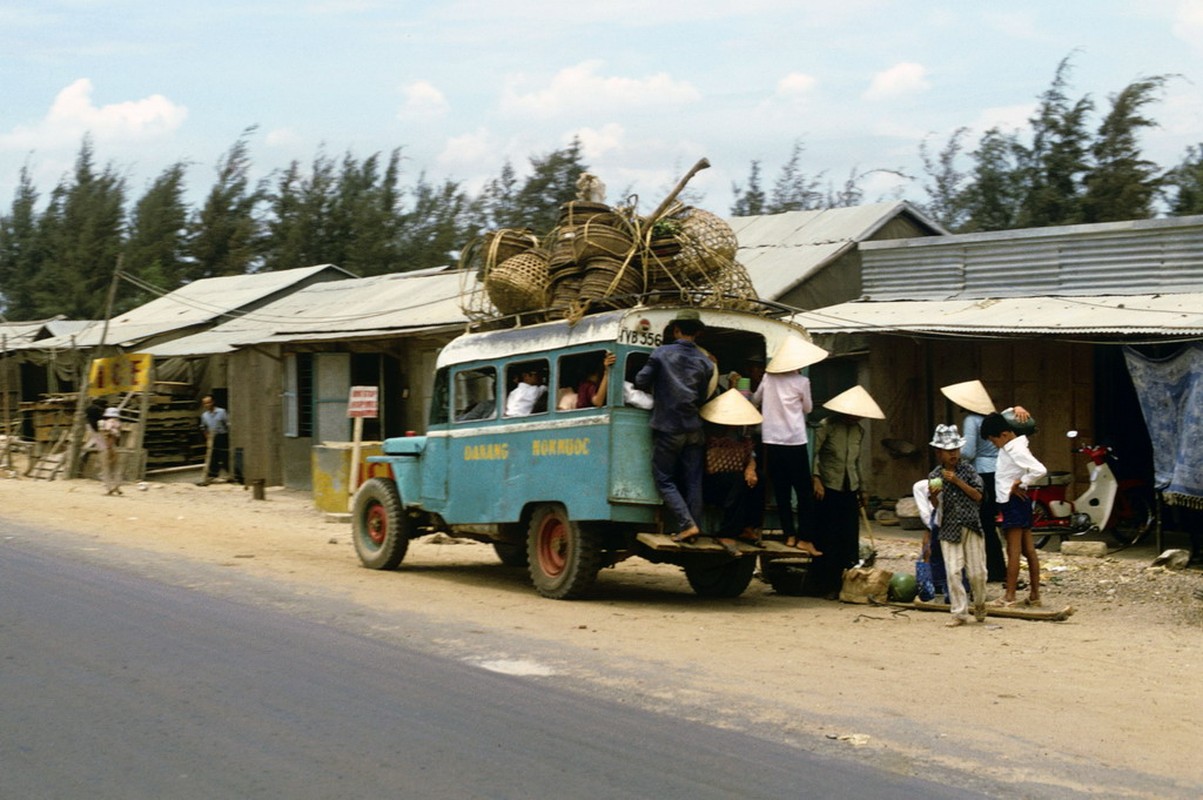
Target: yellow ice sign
pixel 125 373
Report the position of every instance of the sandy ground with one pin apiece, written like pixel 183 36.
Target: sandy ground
pixel 1107 703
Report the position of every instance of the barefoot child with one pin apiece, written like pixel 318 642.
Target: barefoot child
pixel 1016 470
pixel 955 492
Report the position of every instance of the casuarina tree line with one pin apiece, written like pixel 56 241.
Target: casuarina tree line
pixel 370 216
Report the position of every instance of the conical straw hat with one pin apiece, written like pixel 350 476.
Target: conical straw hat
pixel 855 402
pixel 970 395
pixel 731 408
pixel 794 354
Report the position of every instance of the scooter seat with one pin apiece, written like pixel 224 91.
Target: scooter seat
pixel 1055 478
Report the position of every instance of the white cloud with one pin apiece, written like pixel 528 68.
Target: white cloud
pixel 581 88
pixel 422 101
pixel 282 137
pixel 1188 22
pixel 796 84
pixel 73 114
pixel 468 151
pixel 902 79
pixel 597 142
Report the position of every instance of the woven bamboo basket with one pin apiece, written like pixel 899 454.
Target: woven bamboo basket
pixel 519 284
pixel 578 212
pixel 708 244
pixel 610 277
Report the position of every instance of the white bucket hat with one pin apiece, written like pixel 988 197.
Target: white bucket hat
pixel 795 353
pixel 947 437
pixel 112 411
pixel 731 408
pixel 970 395
pixel 855 402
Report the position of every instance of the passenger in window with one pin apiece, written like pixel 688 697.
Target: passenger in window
pixel 526 394
pixel 591 392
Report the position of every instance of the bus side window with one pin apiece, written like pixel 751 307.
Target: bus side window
pixel 474 394
pixel 526 383
pixel 630 395
pixel 440 400
pixel 580 376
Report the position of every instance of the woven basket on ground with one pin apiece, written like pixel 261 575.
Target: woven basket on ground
pixel 519 284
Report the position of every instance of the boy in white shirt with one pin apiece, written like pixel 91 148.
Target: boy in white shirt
pixel 1016 470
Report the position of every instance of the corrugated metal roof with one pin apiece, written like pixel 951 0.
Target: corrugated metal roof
pixel 359 308
pixel 197 303
pixel 782 250
pixel 1154 315
pixel 1138 256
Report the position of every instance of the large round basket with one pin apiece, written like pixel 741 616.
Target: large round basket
pixel 578 212
pixel 519 283
pixel 708 245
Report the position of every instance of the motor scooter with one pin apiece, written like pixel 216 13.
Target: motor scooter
pixel 1054 514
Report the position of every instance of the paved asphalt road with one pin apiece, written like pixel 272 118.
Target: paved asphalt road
pixel 114 684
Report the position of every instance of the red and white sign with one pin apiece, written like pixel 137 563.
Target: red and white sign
pixel 364 402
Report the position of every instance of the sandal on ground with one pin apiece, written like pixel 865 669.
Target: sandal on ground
pixel 1001 603
pixel 955 622
pixel 1033 602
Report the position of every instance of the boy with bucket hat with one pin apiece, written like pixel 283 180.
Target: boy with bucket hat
pixel 784 399
pixel 837 484
pixel 955 491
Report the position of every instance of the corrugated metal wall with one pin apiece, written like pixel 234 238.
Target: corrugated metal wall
pixel 1128 258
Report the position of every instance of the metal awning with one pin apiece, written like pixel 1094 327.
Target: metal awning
pixel 1112 316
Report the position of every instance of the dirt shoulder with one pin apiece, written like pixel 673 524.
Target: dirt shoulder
pixel 1107 702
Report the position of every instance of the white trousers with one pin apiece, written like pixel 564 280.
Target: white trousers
pixel 968 554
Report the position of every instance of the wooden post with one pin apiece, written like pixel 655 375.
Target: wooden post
pixel 356 447
pixel 143 420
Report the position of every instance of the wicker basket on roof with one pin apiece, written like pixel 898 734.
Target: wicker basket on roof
pixel 708 244
pixel 494 247
pixel 520 283
pixel 611 281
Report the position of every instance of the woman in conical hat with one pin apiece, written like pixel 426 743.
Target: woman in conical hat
pixel 731 480
pixel 784 398
pixel 838 488
pixel 975 400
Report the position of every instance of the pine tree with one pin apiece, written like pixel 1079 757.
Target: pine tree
pixel 1186 183
pixel 1122 184
pixel 946 189
pixel 992 199
pixel 794 190
pixel 155 250
pixel 551 183
pixel 20 251
pixel 225 235
pixel 83 234
pixel 750 199
pixel 1056 161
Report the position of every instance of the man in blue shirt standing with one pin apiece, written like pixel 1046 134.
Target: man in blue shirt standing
pixel 215 423
pixel 680 378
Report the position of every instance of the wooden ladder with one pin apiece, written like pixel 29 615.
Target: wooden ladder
pixel 49 464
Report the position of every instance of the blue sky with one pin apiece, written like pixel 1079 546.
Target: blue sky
pixel 648 87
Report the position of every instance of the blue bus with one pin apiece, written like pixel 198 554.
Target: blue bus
pixel 509 459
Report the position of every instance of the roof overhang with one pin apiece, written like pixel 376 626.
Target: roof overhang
pixel 1154 317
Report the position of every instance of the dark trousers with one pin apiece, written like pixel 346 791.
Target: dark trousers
pixel 838 537
pixel 677 464
pixel 789 470
pixel 731 493
pixel 220 457
pixel 996 562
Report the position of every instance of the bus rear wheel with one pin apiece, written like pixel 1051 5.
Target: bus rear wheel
pixel 564 556
pixel 721 579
